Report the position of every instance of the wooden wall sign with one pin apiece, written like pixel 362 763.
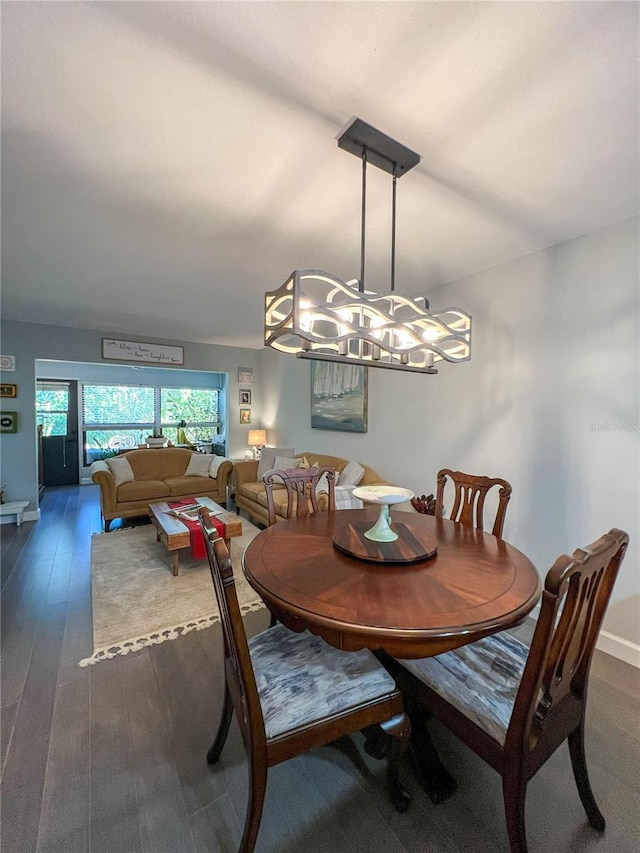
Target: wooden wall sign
pixel 115 350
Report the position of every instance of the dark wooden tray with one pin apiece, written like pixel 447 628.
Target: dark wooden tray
pixel 413 543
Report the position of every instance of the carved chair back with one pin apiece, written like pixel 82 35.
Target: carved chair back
pixel 237 660
pixel 302 490
pixel 574 601
pixel 470 493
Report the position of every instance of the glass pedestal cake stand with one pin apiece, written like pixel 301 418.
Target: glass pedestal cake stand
pixel 384 496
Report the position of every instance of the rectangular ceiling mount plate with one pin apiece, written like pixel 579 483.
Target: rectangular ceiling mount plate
pixel 382 151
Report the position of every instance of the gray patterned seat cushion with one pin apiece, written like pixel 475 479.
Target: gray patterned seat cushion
pixel 481 679
pixel 301 679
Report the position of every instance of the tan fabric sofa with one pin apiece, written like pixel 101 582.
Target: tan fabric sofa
pixel 250 494
pixel 157 475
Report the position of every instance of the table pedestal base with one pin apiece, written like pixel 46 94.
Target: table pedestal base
pixel 434 777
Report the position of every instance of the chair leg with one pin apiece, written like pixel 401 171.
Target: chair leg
pixel 579 765
pixel 107 525
pixel 400 730
pixel 255 802
pixel 376 742
pixel 223 728
pixel 514 790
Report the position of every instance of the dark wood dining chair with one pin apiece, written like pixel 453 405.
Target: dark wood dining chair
pixel 514 704
pixel 306 490
pixel 470 492
pixel 292 692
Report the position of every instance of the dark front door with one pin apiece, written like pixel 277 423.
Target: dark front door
pixel 57 411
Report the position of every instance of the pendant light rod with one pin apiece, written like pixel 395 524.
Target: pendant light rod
pixel 363 218
pixel 390 156
pixel 393 230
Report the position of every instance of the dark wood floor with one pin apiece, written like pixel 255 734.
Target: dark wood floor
pixel 112 757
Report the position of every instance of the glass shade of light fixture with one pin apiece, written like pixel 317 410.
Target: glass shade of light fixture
pixel 318 316
pixel 257 440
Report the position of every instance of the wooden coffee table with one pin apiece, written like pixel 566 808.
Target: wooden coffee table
pixel 175 535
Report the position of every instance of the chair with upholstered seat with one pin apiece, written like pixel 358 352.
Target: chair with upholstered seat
pixel 514 704
pixel 306 488
pixel 292 692
pixel 469 498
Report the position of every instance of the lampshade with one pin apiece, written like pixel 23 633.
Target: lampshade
pixel 316 315
pixel 257 437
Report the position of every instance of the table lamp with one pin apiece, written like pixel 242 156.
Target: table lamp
pixel 257 440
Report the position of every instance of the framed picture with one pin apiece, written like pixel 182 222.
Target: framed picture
pixel 245 397
pixel 8 390
pixel 245 416
pixel 245 374
pixel 338 396
pixel 8 362
pixel 8 422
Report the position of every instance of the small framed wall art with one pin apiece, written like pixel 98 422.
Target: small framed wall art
pixel 245 397
pixel 8 362
pixel 245 375
pixel 8 390
pixel 8 422
pixel 245 416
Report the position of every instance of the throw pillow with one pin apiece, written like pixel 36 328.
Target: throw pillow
pixel 304 462
pixel 199 465
pixel 282 463
pixel 268 457
pixel 352 474
pixel 323 485
pixel 121 470
pixel 215 464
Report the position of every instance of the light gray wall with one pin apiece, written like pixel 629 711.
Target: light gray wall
pixel 549 401
pixel 30 342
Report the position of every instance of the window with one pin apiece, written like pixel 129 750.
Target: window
pixel 118 404
pixel 197 406
pixel 52 406
pixel 120 416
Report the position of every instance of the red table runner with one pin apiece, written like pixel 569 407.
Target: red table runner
pixel 198 548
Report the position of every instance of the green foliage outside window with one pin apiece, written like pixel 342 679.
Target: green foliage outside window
pixel 118 404
pixel 51 411
pixel 116 416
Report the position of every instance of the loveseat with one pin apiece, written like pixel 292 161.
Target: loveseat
pixel 250 493
pixel 130 482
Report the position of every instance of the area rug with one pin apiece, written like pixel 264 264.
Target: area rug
pixel 137 601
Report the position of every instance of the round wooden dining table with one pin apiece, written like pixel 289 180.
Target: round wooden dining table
pixel 474 585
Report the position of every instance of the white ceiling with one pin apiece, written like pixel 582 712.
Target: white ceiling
pixel 163 164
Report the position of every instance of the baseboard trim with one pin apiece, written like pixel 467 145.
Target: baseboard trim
pixel 619 648
pixel 610 644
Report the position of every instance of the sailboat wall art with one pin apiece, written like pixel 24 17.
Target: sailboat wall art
pixel 338 396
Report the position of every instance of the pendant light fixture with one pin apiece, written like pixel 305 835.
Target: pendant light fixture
pixel 318 316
